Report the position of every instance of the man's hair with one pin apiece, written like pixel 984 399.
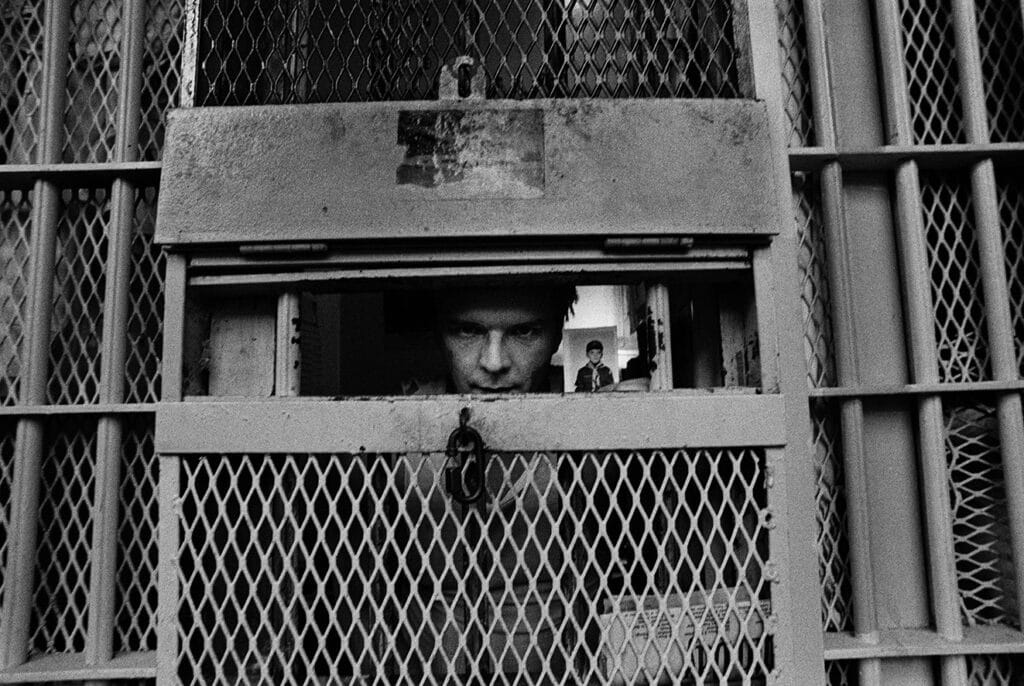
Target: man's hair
pixel 566 296
pixel 595 345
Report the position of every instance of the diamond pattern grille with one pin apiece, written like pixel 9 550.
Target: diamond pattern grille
pixel 137 557
pixel 7 435
pixel 21 49
pixel 994 670
pixel 60 605
pixel 271 52
pixel 91 111
pixel 146 301
pixel 320 567
pixel 955 278
pixel 815 297
pixel 980 522
pixel 15 222
pixel 1011 217
pixel 796 71
pixel 77 320
pixel 841 673
pixel 930 59
pixel 830 496
pixel 161 72
pixel 1001 39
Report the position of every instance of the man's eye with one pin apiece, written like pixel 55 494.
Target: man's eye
pixel 465 330
pixel 525 331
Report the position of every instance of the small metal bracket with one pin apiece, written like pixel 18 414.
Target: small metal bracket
pixel 463 80
pixel 465 480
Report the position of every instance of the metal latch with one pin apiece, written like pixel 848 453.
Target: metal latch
pixel 465 479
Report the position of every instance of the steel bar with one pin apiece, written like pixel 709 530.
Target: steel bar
pixel 998 312
pixel 189 54
pixel 659 336
pixel 102 591
pixel 922 347
pixel 288 355
pixel 167 573
pixel 30 440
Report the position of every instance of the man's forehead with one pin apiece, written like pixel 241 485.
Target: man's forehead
pixel 519 304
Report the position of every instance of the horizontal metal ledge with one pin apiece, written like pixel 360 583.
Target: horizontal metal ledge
pixel 890 156
pixel 147 172
pixel 922 643
pixel 918 389
pixel 611 421
pixel 49 410
pixel 72 667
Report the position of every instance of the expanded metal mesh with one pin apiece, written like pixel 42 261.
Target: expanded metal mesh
pixel 981 533
pixel 841 673
pixel 15 223
pixel 995 670
pixel 136 591
pixel 830 497
pixel 161 72
pixel 79 276
pixel 1011 218
pixel 21 64
pixel 273 51
pixel 1001 39
pixel 8 428
pixel 146 304
pixel 815 296
pixel 959 312
pixel 929 49
pixel 625 564
pixel 60 609
pixel 94 45
pixel 796 72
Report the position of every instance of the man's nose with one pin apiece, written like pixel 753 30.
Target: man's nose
pixel 493 358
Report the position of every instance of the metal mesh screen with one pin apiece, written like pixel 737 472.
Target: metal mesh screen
pixel 930 60
pixel 94 54
pixel 815 297
pixel 8 428
pixel 995 670
pixel 1011 217
pixel 63 560
pixel 272 51
pixel 830 496
pixel 1001 39
pixel 77 320
pixel 841 673
pixel 136 597
pixel 620 564
pixel 161 72
pixel 21 49
pixel 15 220
pixel 960 330
pixel 146 304
pixel 981 531
pixel 796 77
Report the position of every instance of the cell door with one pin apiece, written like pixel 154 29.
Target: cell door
pixel 342 511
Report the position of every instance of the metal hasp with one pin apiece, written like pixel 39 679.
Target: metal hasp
pixel 467 168
pixel 466 476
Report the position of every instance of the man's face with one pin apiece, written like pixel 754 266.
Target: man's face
pixel 594 354
pixel 499 340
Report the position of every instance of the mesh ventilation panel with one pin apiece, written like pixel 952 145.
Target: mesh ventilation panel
pixel 995 670
pixel 930 60
pixel 959 312
pixel 77 319
pixel 1011 217
pixel 161 72
pixel 270 52
pixel 8 428
pixel 94 53
pixel 15 222
pixel 796 72
pixel 841 673
pixel 815 296
pixel 59 616
pixel 1001 39
pixel 981 532
pixel 295 569
pixel 21 65
pixel 146 304
pixel 136 598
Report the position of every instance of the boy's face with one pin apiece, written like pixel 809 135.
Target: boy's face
pixel 594 355
pixel 499 340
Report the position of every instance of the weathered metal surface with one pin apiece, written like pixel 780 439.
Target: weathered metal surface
pixel 497 168
pixel 537 422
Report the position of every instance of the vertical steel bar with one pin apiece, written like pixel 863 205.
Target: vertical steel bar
pixel 21 550
pixel 922 346
pixel 99 646
pixel 659 336
pixel 189 54
pixel 167 572
pixel 288 362
pixel 998 311
pixel 172 357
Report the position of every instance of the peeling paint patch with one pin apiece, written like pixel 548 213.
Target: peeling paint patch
pixel 464 155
